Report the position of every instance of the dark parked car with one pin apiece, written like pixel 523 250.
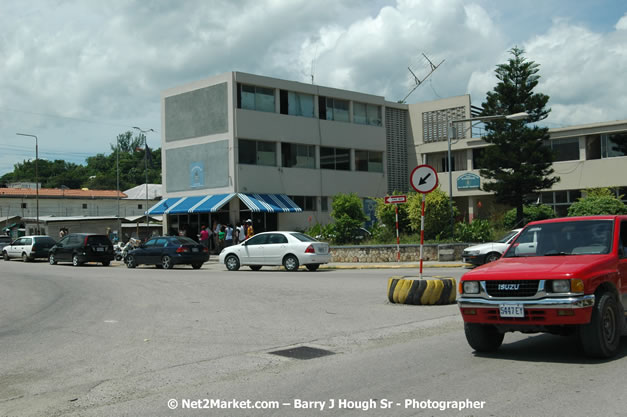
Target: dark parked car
pixel 79 248
pixel 5 240
pixel 167 251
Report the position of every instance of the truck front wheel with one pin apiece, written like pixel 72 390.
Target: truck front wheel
pixel 601 337
pixel 483 337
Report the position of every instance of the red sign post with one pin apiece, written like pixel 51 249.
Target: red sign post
pixel 396 200
pixel 424 179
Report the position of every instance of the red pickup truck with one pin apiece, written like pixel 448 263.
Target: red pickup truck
pixel 559 276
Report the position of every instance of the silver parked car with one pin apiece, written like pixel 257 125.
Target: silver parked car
pixel 290 249
pixel 28 248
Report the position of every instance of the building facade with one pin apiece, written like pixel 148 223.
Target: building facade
pixel 587 156
pixel 239 146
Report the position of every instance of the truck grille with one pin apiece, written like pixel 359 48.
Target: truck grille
pixel 512 288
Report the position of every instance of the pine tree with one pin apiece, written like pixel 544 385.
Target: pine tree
pixel 519 163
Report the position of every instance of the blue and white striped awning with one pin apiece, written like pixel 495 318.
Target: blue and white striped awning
pixel 269 203
pixel 264 203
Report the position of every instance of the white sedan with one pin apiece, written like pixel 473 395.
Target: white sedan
pixel 290 249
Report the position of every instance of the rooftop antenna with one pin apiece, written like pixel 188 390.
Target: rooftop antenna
pixel 417 80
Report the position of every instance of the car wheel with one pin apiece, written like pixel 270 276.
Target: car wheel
pixel 601 337
pixel 52 260
pixel 196 266
pixel 5 256
pixel 106 263
pixel 290 262
pixel 232 263
pixel 492 256
pixel 75 260
pixel 25 257
pixel 312 267
pixel 166 262
pixel 255 267
pixel 483 337
pixel 130 262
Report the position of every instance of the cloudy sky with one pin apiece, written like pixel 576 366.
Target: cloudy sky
pixel 78 73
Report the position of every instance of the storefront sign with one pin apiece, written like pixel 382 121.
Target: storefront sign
pixel 468 181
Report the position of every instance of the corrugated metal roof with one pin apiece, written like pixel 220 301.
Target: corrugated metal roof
pixel 57 192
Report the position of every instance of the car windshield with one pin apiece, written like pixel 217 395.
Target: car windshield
pixel 303 237
pixel 507 237
pixel 581 237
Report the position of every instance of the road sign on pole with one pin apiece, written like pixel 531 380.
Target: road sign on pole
pixel 424 179
pixel 395 199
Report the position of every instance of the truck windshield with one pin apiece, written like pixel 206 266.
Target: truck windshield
pixel 581 237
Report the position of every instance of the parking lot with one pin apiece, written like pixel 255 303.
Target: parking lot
pixel 104 341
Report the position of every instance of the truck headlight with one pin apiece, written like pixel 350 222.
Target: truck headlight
pixel 471 287
pixel 561 285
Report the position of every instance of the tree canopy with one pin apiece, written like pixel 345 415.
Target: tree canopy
pixel 519 164
pixel 99 172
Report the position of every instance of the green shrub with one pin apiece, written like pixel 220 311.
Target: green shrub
pixel 530 214
pixel 476 231
pixel 597 201
pixel 437 214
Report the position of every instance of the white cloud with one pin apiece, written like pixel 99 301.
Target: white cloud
pixel 108 62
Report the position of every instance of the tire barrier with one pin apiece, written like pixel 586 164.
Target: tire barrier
pixel 430 291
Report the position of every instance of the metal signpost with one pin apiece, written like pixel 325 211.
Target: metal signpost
pixel 396 200
pixel 423 179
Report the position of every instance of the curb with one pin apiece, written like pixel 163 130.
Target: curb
pixel 393 266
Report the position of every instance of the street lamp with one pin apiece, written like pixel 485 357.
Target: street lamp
pixel 146 170
pixel 36 173
pixel 515 116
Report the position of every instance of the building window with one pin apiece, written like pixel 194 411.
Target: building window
pixel 367 114
pixel 564 149
pixel 335 158
pixel 24 205
pixel 307 203
pixel 613 145
pixel 297 104
pixel 84 206
pixel 251 97
pixel 298 156
pixel 477 154
pixel 370 161
pixel 324 203
pixel 139 207
pixel 333 109
pixel 253 152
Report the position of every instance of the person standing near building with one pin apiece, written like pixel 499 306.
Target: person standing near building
pixel 204 236
pixel 242 232
pixel 249 229
pixel 228 238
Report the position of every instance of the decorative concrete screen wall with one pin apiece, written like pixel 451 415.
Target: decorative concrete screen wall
pixel 387 253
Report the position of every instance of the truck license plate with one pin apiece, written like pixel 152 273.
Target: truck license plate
pixel 512 310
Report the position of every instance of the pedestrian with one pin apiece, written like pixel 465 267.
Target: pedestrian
pixel 216 235
pixel 221 236
pixel 228 238
pixel 242 232
pixel 204 236
pixel 236 233
pixel 249 229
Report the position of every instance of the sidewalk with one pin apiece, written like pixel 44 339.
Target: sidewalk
pixel 213 264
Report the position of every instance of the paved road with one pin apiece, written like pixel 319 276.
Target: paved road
pixel 96 341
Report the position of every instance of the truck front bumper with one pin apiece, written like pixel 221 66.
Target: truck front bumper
pixel 543 312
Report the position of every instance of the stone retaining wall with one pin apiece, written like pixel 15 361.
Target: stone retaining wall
pixel 387 253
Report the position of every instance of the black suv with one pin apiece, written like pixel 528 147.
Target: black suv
pixel 79 248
